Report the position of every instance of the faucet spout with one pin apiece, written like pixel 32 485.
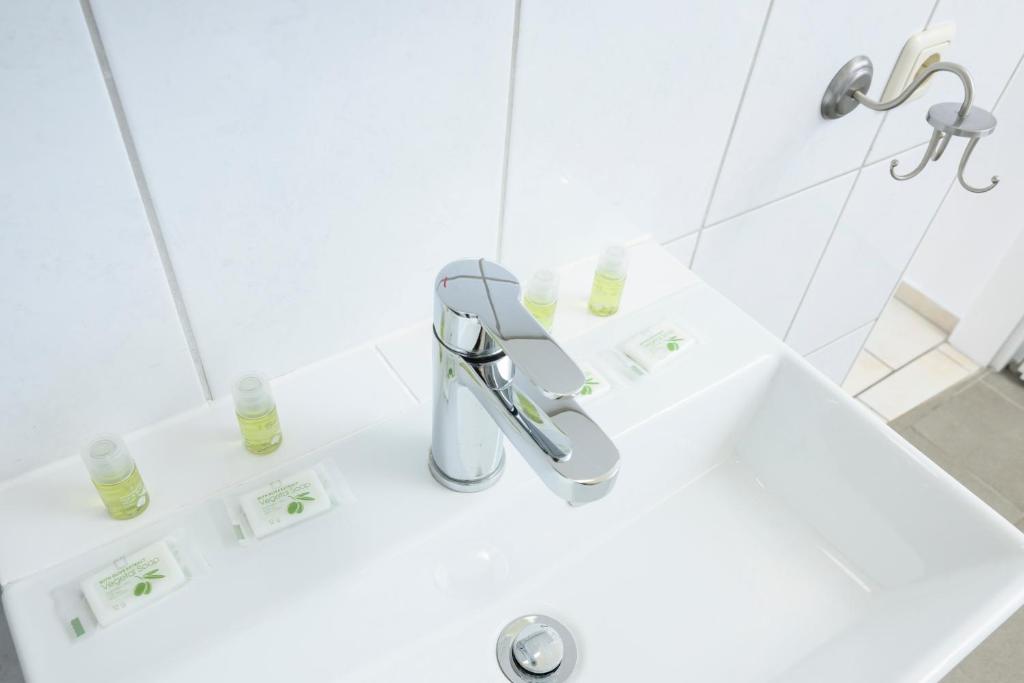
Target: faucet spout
pixel 497 373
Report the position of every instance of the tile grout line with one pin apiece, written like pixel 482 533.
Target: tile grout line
pixel 857 328
pixel 945 195
pixel 993 387
pixel 954 359
pixel 863 164
pixel 853 360
pixel 1009 81
pixel 732 129
pixel 835 228
pixel 830 342
pixel 146 198
pixel 790 195
pixel 752 209
pixel 821 258
pixel 397 375
pixel 868 351
pixel 503 194
pixel 931 15
pixel 893 371
pixel 885 115
pixel 924 234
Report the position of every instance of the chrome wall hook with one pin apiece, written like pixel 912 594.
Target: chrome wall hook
pixel 847 90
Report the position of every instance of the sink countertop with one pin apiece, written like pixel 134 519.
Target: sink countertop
pixel 758 509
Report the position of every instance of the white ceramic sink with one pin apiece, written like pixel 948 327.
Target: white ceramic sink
pixel 764 528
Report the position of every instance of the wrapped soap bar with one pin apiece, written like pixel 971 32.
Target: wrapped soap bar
pixel 656 345
pixel 285 502
pixel 594 384
pixel 133 582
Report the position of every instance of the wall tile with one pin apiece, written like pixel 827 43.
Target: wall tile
pixel 91 338
pixel 836 359
pixel 313 163
pixel 781 143
pixel 987 42
pixel 683 248
pixel 972 232
pixel 763 260
pixel 881 227
pixel 620 120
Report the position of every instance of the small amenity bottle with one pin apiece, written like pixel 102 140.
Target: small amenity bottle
pixel 115 476
pixel 257 414
pixel 609 281
pixel 541 297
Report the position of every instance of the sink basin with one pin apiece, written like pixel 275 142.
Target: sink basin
pixel 766 531
pixel 761 531
pixel 764 527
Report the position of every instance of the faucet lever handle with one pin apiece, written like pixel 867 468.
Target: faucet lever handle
pixel 477 308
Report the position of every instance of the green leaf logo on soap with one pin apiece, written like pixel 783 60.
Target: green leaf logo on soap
pixel 145 584
pixel 672 344
pixel 296 507
pixel 588 386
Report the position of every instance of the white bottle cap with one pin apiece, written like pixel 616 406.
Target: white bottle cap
pixel 543 287
pixel 614 261
pixel 252 395
pixel 107 459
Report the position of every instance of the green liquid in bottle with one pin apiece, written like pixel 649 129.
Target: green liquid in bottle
pixel 544 313
pixel 606 294
pixel 262 435
pixel 125 499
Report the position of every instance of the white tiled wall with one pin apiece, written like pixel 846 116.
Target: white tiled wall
pixel 781 144
pixel 741 257
pixel 91 341
pixel 987 41
pixel 311 164
pixel 614 130
pixel 880 228
pixel 836 358
pixel 972 233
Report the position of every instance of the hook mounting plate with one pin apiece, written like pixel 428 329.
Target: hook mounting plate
pixel 838 100
pixel 945 117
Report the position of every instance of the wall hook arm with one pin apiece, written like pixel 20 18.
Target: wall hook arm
pixel 963 164
pixel 952 68
pixel 928 154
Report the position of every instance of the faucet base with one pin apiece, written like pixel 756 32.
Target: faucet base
pixel 471 486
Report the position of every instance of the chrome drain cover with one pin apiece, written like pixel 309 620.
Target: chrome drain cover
pixel 536 649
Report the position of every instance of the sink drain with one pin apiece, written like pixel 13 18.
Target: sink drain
pixel 536 649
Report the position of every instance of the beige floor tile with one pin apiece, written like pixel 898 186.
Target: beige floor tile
pixel 1008 385
pixel 914 384
pixel 957 676
pixel 984 432
pixel 958 357
pixel 866 371
pixel 902 335
pixel 10 670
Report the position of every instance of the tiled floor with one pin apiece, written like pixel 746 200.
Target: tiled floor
pixel 10 671
pixel 975 431
pixel 905 361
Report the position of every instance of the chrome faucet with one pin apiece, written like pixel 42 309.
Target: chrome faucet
pixel 497 371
